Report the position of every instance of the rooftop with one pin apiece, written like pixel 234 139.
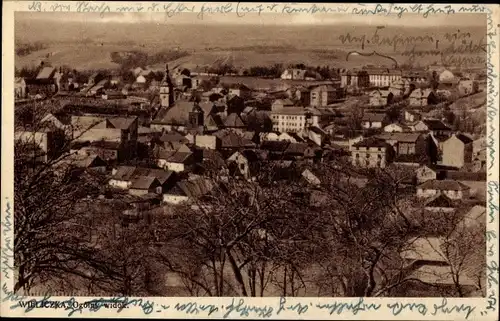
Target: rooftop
pixel 444 185
pixel 371 142
pixel 400 137
pixel 435 124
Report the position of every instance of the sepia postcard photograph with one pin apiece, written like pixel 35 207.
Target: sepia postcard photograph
pixel 302 152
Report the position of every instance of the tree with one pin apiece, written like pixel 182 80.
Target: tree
pixel 240 241
pixel 54 245
pixel 365 223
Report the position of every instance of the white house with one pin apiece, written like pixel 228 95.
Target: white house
pixel 122 177
pixel 395 128
pixel 372 120
pixel 453 189
pixel 140 79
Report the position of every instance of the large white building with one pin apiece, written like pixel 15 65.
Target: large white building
pixel 294 119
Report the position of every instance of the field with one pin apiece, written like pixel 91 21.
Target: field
pixel 89 46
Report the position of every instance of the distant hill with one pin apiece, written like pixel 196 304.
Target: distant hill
pixel 89 46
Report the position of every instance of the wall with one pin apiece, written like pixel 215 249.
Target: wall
pixel 372 155
pixel 176 167
pixel 425 174
pixel 393 128
pixel 456 195
pixel 174 199
pixel 205 141
pixel 119 184
pixel 426 193
pixel 453 153
pixel 138 192
pixel 477 189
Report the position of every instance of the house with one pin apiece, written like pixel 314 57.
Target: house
pixel 435 126
pixel 85 162
pixel 47 141
pixel 396 128
pixel 446 76
pixel 178 161
pixel 45 84
pixel 346 141
pixel 113 95
pixel 315 134
pixel 294 74
pixel 406 143
pixel 140 79
pixel 204 141
pixel 234 121
pixel 399 88
pixel 322 96
pixel 479 161
pixel 281 103
pixel 374 120
pixel 231 141
pixel 354 78
pixel 430 261
pixel 239 165
pixel 46 73
pixel 295 119
pixel 380 98
pixel 371 152
pixel 457 151
pixel 422 97
pixel 426 173
pixel 188 190
pixel 19 88
pixel 415 76
pixel 239 90
pixel 451 188
pixel 143 185
pixel 61 122
pixel 137 71
pixel 310 177
pixel 95 78
pixel 411 116
pixel 300 94
pixel 467 87
pixel 122 177
pixel 98 132
pixel 441 203
pixel 382 77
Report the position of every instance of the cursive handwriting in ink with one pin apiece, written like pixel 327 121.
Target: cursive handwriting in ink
pixel 208 8
pixel 398 307
pixel 298 308
pixel 355 308
pixel 87 6
pixel 244 310
pixel 445 309
pixel 8 244
pixel 195 308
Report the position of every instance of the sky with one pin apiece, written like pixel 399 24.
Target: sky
pixel 266 19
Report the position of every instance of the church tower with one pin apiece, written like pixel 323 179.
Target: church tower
pixel 166 90
pixel 196 116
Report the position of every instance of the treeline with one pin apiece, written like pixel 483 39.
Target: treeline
pixel 133 59
pixel 24 49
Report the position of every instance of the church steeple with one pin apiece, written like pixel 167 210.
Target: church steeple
pixel 166 90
